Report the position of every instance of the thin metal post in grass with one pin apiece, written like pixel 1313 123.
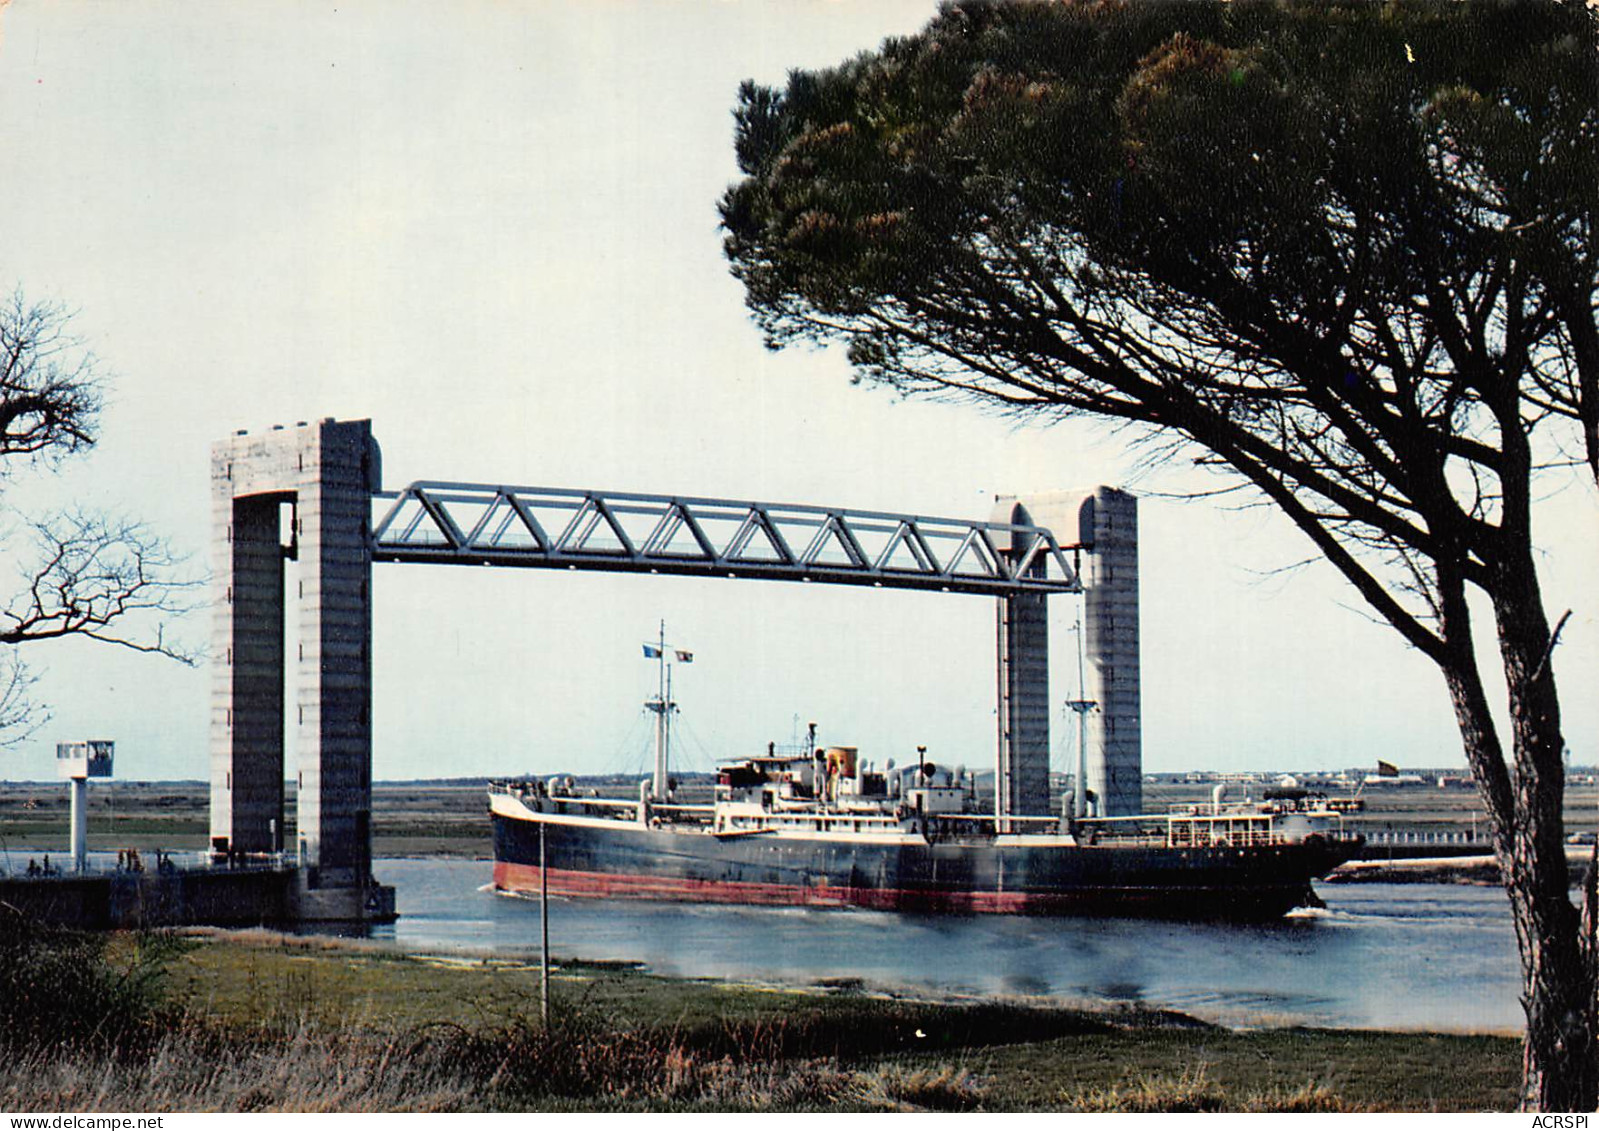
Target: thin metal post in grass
pixel 544 930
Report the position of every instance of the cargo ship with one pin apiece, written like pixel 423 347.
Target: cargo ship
pixel 820 827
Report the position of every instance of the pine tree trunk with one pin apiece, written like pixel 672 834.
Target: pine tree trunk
pixel 1560 1055
pixel 1560 1061
pixel 1558 1052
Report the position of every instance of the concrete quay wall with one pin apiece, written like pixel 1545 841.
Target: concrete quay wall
pixel 216 897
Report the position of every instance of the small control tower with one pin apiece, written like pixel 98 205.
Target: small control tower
pixel 78 762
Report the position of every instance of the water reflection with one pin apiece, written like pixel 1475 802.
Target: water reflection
pixel 1389 956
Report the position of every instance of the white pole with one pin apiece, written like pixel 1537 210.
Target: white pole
pixel 661 707
pixel 1080 785
pixel 1082 706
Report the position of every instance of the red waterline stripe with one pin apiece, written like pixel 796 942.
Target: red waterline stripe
pixel 524 879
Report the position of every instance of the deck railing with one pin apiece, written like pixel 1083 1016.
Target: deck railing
pixel 32 864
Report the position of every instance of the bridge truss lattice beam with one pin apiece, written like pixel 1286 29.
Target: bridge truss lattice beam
pixel 562 528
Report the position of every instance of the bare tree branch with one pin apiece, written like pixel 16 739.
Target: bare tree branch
pixel 109 580
pixel 20 714
pixel 49 387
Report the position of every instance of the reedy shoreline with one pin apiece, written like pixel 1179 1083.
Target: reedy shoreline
pixel 253 1021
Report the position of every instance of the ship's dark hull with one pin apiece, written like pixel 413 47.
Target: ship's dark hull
pixel 616 859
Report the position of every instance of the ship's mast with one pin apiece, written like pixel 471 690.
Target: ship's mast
pixel 663 707
pixel 1082 706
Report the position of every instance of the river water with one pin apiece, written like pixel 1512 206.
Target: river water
pixel 1438 957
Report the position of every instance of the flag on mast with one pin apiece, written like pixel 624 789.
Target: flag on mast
pixel 684 657
pixel 652 652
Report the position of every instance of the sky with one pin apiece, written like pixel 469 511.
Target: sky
pixel 491 229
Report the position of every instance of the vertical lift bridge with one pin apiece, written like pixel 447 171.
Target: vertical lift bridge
pixel 329 473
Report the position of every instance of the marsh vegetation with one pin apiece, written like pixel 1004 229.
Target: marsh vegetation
pixel 262 1022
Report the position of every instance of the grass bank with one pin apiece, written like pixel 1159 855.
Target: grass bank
pixel 247 1022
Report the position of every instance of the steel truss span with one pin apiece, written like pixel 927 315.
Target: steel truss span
pixel 560 528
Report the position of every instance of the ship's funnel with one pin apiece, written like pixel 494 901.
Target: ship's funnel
pixel 841 761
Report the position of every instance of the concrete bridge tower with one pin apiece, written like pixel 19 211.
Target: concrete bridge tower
pixel 324 474
pixel 1104 522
